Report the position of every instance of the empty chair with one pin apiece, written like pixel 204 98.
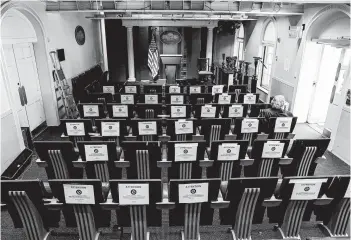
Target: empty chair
pixel 80 201
pixel 76 129
pixel 112 130
pixel 249 98
pixel 59 159
pixel 148 111
pixel 151 88
pixel 91 111
pixel 232 110
pixel 130 89
pixel 214 129
pixel 298 195
pixel 176 98
pixel 182 130
pixel 248 199
pixel 202 111
pixel 125 98
pixel 268 156
pixel 137 205
pixel 306 154
pixel 200 98
pixel 175 89
pixel 139 160
pixel 98 97
pixel 187 159
pixel 228 157
pixel 336 215
pixel 178 110
pixel 98 158
pixel 281 127
pixel 120 111
pixel 249 129
pixel 24 201
pixel 109 88
pixel 237 89
pixel 146 129
pixel 200 89
pixel 224 98
pixel 150 98
pixel 193 204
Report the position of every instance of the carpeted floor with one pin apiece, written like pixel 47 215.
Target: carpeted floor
pixel 332 166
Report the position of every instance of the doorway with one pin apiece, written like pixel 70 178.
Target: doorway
pixel 322 86
pixel 24 85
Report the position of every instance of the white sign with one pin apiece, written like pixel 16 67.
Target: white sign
pixel 224 99
pixel 96 152
pixel 130 89
pixel 109 129
pixel 228 151
pixel 183 127
pixel 236 111
pixel 108 89
pixel 174 89
pixel 208 111
pixel 306 189
pixel 185 152
pixel 133 194
pixel 249 125
pixel 193 193
pixel 147 128
pixel 273 149
pixel 127 99
pixel 195 89
pixel 91 110
pixel 79 194
pixel 217 89
pixel 177 99
pixel 75 129
pixel 283 124
pixel 178 111
pixel 151 99
pixel 250 98
pixel 120 111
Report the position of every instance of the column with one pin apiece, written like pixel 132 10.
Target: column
pixel 209 45
pixel 103 44
pixel 131 70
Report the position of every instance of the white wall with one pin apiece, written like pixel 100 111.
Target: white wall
pixel 60 29
pixel 341 146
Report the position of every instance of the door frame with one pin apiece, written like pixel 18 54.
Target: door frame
pixel 314 85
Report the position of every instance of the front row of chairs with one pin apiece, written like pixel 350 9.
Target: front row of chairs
pixel 191 203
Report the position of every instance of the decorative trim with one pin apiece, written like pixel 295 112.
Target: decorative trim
pixel 170 23
pixel 283 81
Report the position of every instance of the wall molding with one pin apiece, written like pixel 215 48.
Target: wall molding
pixel 283 81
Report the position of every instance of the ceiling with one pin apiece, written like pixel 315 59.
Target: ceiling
pixel 185 9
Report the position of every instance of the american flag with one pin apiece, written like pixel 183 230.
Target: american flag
pixel 153 61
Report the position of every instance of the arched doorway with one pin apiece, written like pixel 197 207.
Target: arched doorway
pixel 39 86
pixel 21 66
pixel 323 85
